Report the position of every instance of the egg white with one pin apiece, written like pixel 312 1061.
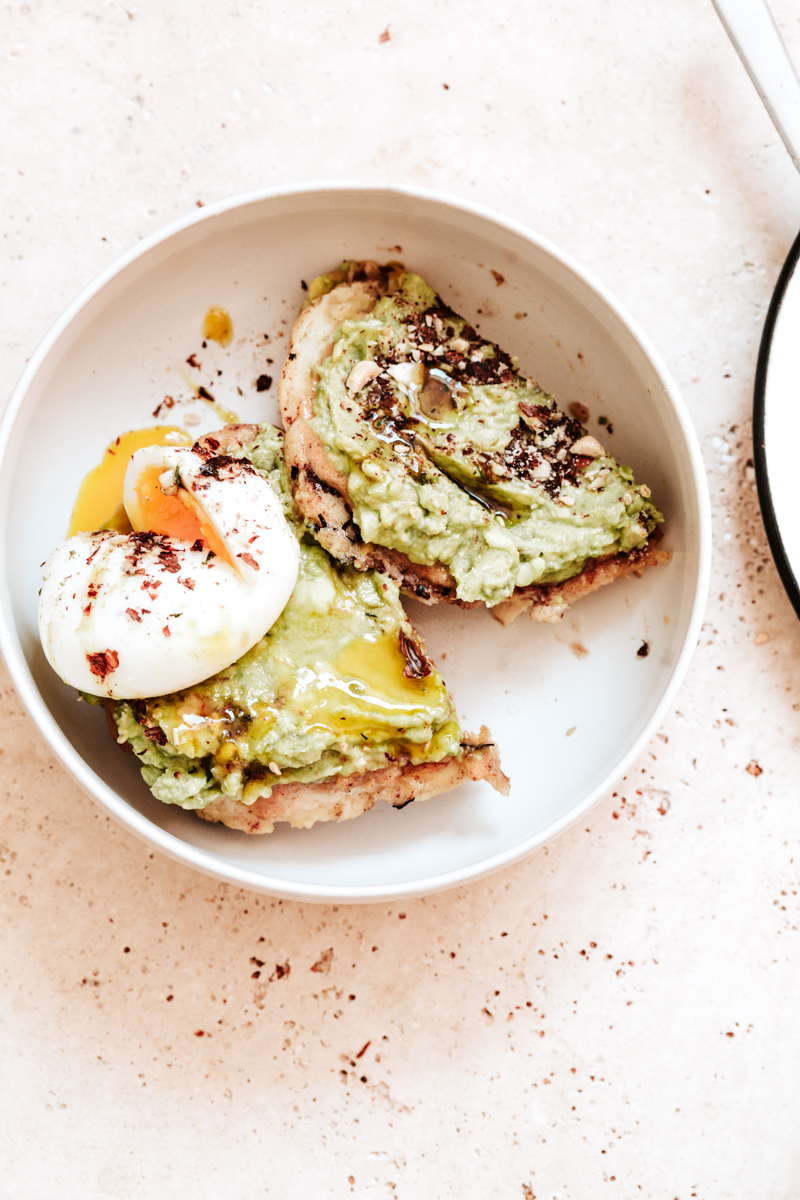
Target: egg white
pixel 130 616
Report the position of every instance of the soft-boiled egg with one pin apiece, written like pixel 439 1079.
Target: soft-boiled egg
pixel 208 568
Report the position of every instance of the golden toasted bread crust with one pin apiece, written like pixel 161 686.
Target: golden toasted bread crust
pixel 345 797
pixel 312 342
pixel 548 602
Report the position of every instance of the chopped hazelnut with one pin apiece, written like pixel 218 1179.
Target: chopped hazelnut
pixel 588 446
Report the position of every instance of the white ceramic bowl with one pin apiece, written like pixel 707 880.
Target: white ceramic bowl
pixel 120 347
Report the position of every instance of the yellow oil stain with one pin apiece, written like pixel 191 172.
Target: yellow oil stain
pixel 218 326
pixel 378 667
pixel 364 691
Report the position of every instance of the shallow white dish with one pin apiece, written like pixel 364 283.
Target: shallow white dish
pixel 121 346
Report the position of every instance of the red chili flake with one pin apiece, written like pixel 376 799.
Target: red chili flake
pixel 93 589
pixel 104 662
pixel 192 361
pixel 364 1049
pixel 251 562
pixel 498 278
pixel 385 36
pixel 281 971
pixel 166 631
pixel 199 1033
pixel 254 538
pixel 169 560
pixel 323 964
pixel 187 583
pixel 88 609
pixel 133 614
pixel 167 402
pixel 753 768
pixel 223 467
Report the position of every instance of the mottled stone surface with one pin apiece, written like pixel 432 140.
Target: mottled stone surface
pixel 614 1016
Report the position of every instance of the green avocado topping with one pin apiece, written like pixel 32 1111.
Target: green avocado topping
pixel 338 685
pixel 452 456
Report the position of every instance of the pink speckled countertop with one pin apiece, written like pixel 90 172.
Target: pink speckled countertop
pixel 615 1016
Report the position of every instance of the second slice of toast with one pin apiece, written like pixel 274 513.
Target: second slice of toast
pixel 415 447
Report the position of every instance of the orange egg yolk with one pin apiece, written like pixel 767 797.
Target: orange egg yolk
pixel 99 500
pixel 178 516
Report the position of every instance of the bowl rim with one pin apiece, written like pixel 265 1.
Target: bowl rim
pixel 210 863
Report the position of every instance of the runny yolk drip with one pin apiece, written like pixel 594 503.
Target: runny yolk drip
pixel 100 493
pixel 178 516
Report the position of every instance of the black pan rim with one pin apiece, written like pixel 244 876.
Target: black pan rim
pixel 787 575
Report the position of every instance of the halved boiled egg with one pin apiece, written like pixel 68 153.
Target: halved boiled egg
pixel 208 568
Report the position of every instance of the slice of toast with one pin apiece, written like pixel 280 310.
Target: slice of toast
pixel 519 469
pixel 347 796
pixel 338 705
pixel 343 797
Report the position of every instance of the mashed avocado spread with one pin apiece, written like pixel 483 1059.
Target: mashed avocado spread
pixel 338 685
pixel 452 456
